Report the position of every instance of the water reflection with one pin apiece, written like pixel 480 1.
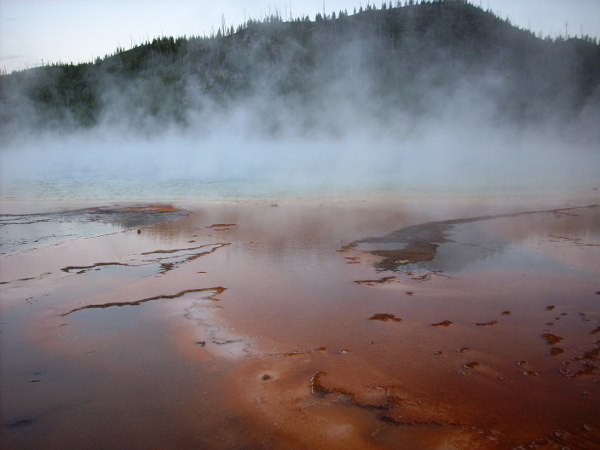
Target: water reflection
pixel 24 231
pixel 454 246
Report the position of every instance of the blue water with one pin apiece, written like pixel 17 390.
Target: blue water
pixel 226 166
pixel 148 190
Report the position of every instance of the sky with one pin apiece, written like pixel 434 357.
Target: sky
pixel 33 32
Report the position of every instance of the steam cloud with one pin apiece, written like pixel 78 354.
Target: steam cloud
pixel 335 129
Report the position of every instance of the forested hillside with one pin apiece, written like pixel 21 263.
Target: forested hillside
pixel 312 74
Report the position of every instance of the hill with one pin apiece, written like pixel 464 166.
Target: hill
pixel 390 65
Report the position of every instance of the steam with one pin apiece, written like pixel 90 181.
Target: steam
pixel 340 135
pixel 453 151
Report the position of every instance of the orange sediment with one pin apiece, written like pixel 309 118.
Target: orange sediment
pixel 288 343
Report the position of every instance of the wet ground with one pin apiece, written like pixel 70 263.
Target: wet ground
pixel 24 231
pixel 340 325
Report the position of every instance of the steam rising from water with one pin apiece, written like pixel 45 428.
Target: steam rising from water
pixel 448 153
pixel 345 140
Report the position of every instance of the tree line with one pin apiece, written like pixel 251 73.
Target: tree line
pixel 401 50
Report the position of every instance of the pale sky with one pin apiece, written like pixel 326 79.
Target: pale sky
pixel 81 30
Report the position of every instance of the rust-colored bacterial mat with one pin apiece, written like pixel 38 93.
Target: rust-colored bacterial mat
pixel 340 325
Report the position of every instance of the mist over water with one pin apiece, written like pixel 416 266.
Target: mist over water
pixel 438 154
pixel 337 113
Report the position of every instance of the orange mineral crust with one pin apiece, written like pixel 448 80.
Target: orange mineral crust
pixel 335 325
